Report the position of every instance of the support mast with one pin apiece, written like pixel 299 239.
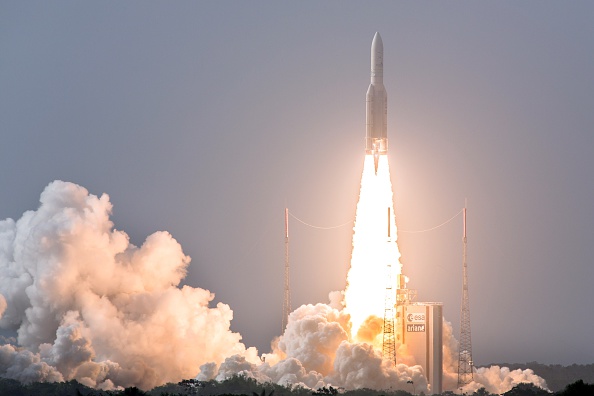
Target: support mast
pixel 389 340
pixel 287 292
pixel 465 375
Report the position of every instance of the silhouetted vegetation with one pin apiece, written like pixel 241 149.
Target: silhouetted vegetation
pixel 577 388
pixel 526 390
pixel 326 391
pixel 263 393
pixel 243 386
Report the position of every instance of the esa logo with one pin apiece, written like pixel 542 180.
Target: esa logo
pixel 415 317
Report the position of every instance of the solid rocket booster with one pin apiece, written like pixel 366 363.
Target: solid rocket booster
pixel 376 137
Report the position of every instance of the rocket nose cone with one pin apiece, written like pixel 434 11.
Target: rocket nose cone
pixel 377 56
pixel 377 41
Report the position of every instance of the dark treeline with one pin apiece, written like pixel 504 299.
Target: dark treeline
pixel 241 386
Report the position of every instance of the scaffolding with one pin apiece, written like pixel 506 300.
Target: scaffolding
pixel 465 365
pixel 389 339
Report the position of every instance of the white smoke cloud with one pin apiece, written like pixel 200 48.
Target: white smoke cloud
pixel 26 366
pixel 317 350
pixel 313 335
pixel 450 357
pixel 499 380
pixel 494 379
pixel 361 366
pixel 290 371
pixel 88 305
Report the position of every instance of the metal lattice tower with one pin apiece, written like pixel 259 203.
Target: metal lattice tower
pixel 287 296
pixel 389 339
pixel 465 375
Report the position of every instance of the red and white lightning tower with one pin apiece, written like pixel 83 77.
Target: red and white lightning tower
pixel 465 375
pixel 287 299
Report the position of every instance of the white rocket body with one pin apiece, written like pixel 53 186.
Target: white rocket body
pixel 376 137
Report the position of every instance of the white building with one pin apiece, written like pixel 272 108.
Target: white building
pixel 419 326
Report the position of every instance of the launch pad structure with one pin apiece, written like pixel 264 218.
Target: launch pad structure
pixel 416 325
pixel 419 326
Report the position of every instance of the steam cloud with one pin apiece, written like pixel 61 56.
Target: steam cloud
pixel 88 305
pixel 315 351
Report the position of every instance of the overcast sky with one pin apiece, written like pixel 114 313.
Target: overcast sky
pixel 206 119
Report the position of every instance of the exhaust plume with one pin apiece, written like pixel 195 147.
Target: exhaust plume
pixel 366 279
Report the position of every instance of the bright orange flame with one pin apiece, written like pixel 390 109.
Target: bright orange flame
pixel 372 250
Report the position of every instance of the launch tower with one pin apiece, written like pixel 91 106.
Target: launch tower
pixel 465 375
pixel 389 338
pixel 287 295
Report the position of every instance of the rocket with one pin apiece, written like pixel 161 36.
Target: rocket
pixel 376 137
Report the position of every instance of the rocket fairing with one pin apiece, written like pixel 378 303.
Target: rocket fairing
pixel 376 137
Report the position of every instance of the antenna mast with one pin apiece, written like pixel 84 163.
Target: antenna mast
pixel 389 341
pixel 287 299
pixel 465 375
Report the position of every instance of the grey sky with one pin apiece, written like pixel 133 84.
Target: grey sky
pixel 206 118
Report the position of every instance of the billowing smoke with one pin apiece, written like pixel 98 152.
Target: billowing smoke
pixel 317 350
pixel 494 379
pixel 498 380
pixel 88 305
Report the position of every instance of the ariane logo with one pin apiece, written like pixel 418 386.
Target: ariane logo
pixel 415 317
pixel 415 328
